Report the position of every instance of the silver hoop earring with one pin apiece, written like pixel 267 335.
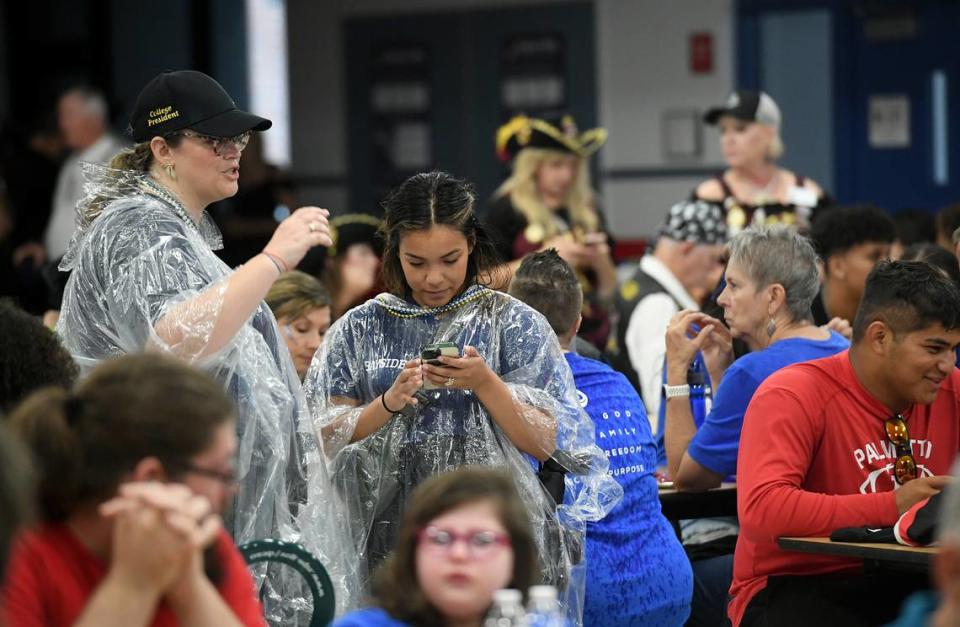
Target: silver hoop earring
pixel 771 328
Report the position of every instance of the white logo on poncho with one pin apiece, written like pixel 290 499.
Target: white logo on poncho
pixel 582 399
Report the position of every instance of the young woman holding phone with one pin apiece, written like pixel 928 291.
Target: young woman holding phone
pixel 507 400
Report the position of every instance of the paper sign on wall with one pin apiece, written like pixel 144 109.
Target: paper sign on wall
pixel 889 121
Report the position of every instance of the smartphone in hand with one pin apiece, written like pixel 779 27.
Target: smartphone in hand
pixel 431 352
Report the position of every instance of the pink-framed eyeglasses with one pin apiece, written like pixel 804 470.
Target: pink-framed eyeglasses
pixel 481 544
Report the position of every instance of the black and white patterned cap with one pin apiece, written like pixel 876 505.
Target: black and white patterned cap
pixel 695 221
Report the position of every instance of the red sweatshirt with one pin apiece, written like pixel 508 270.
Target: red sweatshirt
pixel 52 575
pixel 814 457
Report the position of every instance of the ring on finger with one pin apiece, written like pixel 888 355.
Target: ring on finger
pixel 312 226
pixel 450 381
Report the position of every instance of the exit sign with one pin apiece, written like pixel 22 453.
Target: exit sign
pixel 701 53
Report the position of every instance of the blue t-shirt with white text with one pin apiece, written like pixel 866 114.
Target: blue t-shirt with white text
pixel 637 572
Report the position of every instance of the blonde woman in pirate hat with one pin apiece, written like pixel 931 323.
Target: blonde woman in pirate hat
pixel 548 202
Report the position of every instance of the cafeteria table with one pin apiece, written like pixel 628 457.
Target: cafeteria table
pixel 875 555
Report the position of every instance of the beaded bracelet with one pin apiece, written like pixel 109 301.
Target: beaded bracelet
pixel 383 402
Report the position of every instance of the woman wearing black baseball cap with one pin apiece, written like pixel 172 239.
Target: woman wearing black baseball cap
pixel 145 277
pixel 753 189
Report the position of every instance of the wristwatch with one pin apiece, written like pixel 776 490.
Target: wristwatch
pixel 675 391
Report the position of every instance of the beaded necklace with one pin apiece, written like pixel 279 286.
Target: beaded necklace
pixel 471 294
pixel 155 189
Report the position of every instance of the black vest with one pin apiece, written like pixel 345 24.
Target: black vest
pixel 631 292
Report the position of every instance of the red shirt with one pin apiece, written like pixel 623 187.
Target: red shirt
pixel 814 457
pixel 52 576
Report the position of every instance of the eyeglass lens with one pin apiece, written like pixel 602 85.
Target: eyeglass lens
pixel 479 543
pixel 221 145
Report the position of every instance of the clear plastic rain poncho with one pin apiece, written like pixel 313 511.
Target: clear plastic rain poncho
pixel 361 357
pixel 145 277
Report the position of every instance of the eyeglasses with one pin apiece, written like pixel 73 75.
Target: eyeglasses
pixel 226 477
pixel 220 145
pixel 905 468
pixel 480 544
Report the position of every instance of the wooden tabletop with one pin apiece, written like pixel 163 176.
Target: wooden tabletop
pixel 878 551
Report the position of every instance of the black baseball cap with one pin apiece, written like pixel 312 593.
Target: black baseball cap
pixel 173 101
pixel 750 106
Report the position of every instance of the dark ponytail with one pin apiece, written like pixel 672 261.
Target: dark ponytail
pixel 129 408
pixel 41 422
pixel 16 491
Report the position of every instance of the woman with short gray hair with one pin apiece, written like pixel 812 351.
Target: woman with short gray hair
pixel 771 280
pixel 777 255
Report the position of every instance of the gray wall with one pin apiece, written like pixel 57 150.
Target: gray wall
pixel 642 71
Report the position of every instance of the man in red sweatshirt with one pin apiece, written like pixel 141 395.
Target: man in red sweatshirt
pixel 850 440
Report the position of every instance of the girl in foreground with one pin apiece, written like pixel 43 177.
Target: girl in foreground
pixel 465 535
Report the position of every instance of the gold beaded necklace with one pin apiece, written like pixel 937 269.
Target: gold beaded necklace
pixel 471 294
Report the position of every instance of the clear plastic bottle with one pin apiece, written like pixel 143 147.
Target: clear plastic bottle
pixel 700 400
pixel 543 608
pixel 507 610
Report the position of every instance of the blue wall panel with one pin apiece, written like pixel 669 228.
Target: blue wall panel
pixel 795 69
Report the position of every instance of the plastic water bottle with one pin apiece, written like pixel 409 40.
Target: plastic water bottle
pixel 697 380
pixel 507 610
pixel 543 610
